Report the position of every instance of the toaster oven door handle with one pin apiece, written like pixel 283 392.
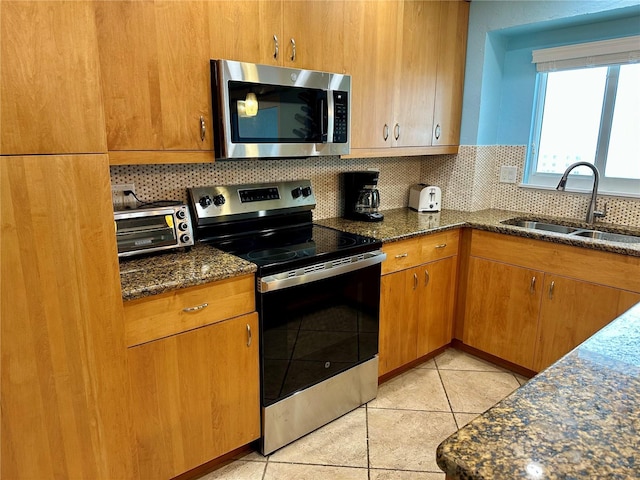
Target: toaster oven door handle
pixel 319 271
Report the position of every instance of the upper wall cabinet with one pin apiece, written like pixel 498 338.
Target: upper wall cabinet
pixel 280 33
pixel 454 20
pixel 50 99
pixel 154 57
pixel 407 61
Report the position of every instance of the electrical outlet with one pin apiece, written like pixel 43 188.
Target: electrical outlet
pixel 508 174
pixel 118 197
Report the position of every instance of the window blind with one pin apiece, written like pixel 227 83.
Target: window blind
pixel 592 54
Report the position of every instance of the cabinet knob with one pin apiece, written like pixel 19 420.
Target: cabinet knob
pixel 532 288
pixel 402 255
pixel 426 277
pixel 442 245
pixel 415 281
pixel 385 132
pixel 196 308
pixel 276 47
pixel 396 131
pixel 551 288
pixel 293 50
pixel 249 336
pixel 438 131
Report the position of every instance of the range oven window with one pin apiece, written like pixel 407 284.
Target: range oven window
pixel 263 113
pixel 313 331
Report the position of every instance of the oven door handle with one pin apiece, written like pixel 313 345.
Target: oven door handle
pixel 319 271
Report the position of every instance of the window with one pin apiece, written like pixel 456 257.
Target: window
pixel 587 113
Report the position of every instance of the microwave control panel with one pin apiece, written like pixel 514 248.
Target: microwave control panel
pixel 341 116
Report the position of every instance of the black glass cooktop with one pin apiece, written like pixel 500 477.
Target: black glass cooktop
pixel 295 247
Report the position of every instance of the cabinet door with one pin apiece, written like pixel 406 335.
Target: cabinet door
pixel 501 310
pixel 436 300
pixel 398 319
pixel 454 19
pixel 50 98
pixel 64 383
pixel 415 82
pixel 244 31
pixel 317 30
pixel 571 312
pixel 195 396
pixel 154 58
pixel 370 50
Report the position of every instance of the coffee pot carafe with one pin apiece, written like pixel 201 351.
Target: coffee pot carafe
pixel 361 196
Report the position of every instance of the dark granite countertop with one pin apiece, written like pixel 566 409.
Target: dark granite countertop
pixel 578 419
pixel 160 273
pixel 150 275
pixel 402 223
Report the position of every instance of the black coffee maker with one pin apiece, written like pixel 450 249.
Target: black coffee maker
pixel 361 196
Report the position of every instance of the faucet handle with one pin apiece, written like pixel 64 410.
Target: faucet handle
pixel 601 214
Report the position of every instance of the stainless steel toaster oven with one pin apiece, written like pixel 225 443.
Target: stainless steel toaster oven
pixel 152 229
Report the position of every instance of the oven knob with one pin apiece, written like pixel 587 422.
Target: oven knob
pixel 183 226
pixel 219 200
pixel 180 214
pixel 185 238
pixel 306 191
pixel 296 192
pixel 205 201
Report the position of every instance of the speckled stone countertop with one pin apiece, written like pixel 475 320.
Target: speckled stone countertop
pixel 150 275
pixel 404 223
pixel 160 273
pixel 579 419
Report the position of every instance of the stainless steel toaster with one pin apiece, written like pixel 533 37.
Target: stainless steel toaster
pixel 425 198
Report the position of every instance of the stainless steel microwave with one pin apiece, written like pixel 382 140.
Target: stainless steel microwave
pixel 152 229
pixel 261 111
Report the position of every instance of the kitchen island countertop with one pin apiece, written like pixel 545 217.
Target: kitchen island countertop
pixel 577 419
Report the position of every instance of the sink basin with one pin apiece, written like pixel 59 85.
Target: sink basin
pixel 547 227
pixel 612 237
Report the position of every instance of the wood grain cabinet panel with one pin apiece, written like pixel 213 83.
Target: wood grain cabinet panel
pixel 65 410
pixel 195 396
pixel 50 96
pixel 154 58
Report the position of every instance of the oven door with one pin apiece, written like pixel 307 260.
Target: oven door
pixel 313 330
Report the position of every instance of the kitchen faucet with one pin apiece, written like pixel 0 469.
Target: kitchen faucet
pixel 592 214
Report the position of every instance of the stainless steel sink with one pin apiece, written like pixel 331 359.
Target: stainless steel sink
pixel 612 237
pixel 547 227
pixel 573 231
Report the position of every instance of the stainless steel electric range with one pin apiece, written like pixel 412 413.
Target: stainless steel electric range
pixel 317 295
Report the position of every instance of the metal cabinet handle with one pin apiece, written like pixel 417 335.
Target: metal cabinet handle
pixel 249 336
pixel 415 281
pixel 276 48
pixel 551 288
pixel 442 245
pixel 532 288
pixel 293 50
pixel 426 277
pixel 196 308
pixel 402 255
pixel 203 128
pixel 438 131
pixel 385 132
pixel 396 131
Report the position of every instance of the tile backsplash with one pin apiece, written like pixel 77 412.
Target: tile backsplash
pixel 469 182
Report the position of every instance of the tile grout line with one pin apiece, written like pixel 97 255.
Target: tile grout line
pixel 446 394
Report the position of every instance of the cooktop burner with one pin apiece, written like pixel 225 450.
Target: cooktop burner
pixel 293 247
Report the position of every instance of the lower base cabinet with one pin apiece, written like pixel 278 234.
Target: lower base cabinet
pixel 195 396
pixel 416 312
pixel 533 317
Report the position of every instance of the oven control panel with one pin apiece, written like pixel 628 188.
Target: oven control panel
pixel 215 204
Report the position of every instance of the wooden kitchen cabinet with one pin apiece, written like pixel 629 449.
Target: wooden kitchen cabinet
pixel 412 73
pixel 65 388
pixel 50 96
pixel 452 48
pixel 502 309
pixel 572 311
pixel 154 58
pixel 531 309
pixel 417 295
pixel 195 395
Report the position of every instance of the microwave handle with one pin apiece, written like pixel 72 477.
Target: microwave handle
pixel 324 114
pixel 327 120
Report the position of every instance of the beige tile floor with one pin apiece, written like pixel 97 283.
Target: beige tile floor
pixel 393 437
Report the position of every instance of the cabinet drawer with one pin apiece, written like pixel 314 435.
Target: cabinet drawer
pixel 401 255
pixel 159 316
pixel 439 245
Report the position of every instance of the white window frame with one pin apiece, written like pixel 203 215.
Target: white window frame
pixel 610 53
